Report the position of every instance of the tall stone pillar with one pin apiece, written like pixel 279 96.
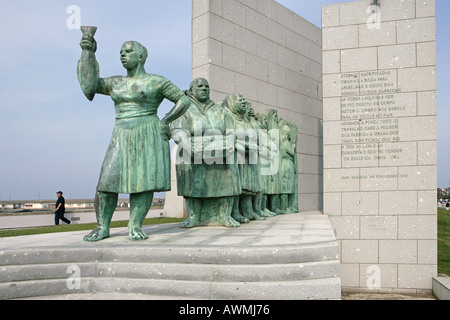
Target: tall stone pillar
pixel 380 163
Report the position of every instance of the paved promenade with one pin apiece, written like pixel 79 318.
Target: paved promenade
pixel 286 230
pixel 44 220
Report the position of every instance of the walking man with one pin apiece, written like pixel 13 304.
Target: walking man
pixel 60 209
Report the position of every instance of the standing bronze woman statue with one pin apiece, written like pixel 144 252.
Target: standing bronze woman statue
pixel 247 151
pixel 137 161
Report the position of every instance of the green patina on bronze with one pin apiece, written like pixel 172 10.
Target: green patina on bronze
pixel 137 161
pixel 225 149
pixel 205 179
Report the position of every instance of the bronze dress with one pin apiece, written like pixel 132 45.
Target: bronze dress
pixel 138 156
pixel 204 178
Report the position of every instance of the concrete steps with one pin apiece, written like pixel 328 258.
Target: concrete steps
pixel 174 271
pixel 107 296
pixel 301 280
pixel 294 271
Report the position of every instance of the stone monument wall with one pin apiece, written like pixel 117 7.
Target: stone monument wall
pixel 273 57
pixel 380 163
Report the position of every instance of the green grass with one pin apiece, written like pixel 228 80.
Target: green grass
pixel 444 241
pixel 80 227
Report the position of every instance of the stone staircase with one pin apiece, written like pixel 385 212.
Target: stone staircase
pixel 303 271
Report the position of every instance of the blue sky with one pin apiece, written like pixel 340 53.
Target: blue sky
pixel 53 138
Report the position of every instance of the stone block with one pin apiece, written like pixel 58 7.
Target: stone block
pixel 206 51
pixel 425 8
pixel 346 227
pixel 286 58
pixel 416 30
pixel 308 67
pixel 310 202
pixel 441 287
pixel 200 28
pixel 377 227
pixel 275 10
pixel 333 109
pixel 221 29
pixel 350 275
pixel 426 103
pixel 266 49
pixel 276 74
pixel 246 40
pixel 332 156
pixel 416 276
pixel 417 227
pixel 250 3
pixel 311 88
pixel 216 7
pixel 331 15
pixel 257 68
pixel 309 183
pixel 417 178
pixel 312 51
pixel 316 35
pixel 332 204
pixel 310 164
pixel 301 26
pixel 427 252
pixel 398 154
pixel 427 202
pixel 360 203
pixel 379 179
pixel 341 180
pixel 398 251
pixel 361 59
pixel 233 11
pixel 356 12
pixel 276 32
pixel 313 70
pixel 417 79
pixel 427 153
pixel 221 79
pixel 285 98
pixel 398 105
pixel 398 10
pixel 397 56
pixel 359 251
pixel 386 274
pixel 267 93
pixel 417 128
pixel 248 86
pixel 426 54
pixel 256 22
pixel 263 7
pixel 345 37
pixel 234 59
pixel 199 7
pixel 295 81
pixel 332 61
pixel 307 125
pixel 332 85
pixel 287 18
pixel 310 145
pixel 332 132
pixel 396 203
pixel 372 37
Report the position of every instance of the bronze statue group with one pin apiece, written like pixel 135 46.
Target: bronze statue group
pixel 232 165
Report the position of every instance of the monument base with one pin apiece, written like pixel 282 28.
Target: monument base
pixel 288 257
